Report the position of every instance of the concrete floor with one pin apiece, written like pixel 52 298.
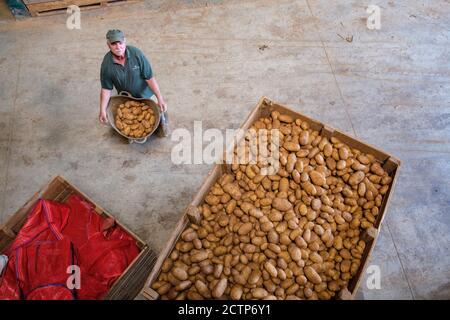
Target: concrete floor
pixel 389 87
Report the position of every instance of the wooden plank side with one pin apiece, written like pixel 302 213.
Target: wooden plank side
pixel 330 131
pixel 314 124
pixel 5 239
pixel 370 239
pixel 48 5
pixel 255 113
pixel 212 177
pixel 361 146
pixel 118 284
pixel 181 225
pixel 42 8
pixel 387 197
pixel 130 283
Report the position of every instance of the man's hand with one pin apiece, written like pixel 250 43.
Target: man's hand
pixel 102 117
pixel 162 105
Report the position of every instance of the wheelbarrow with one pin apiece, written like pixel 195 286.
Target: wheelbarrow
pixel 116 101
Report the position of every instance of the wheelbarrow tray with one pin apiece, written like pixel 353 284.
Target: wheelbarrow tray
pixel 116 101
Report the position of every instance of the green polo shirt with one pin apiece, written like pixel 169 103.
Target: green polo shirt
pixel 129 77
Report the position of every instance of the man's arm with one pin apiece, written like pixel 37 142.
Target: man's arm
pixel 155 88
pixel 105 94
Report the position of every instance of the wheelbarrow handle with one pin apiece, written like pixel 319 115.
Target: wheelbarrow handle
pixel 139 141
pixel 125 94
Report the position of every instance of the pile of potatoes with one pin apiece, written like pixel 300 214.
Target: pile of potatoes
pixel 294 235
pixel 135 119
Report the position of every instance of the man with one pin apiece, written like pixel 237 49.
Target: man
pixel 127 69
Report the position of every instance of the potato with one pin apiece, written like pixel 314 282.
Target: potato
pixel 199 256
pixel 212 200
pixel 291 161
pixel 284 185
pixel 259 293
pixel 245 228
pixel 119 124
pixel 343 153
pixel 162 290
pixel 126 130
pixel 304 138
pixel 256 213
pixel 193 295
pixel 316 204
pixel 202 288
pixel 295 253
pixel 186 247
pixel 377 169
pixel 179 273
pixel 281 204
pixel 236 292
pixel 183 285
pixel 317 178
pixel 254 277
pixel 356 178
pixel 220 288
pixel 291 146
pixel 219 251
pixel 233 190
pixel 167 265
pixel 275 216
pixel 189 236
pixel 270 268
pixel 139 133
pixel 134 126
pixel 285 118
pixel 312 275
pixel 146 124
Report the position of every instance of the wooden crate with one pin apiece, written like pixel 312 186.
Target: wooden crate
pixel 263 109
pixel 48 7
pixel 129 284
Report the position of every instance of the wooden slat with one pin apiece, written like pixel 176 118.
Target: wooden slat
pixel 345 294
pixel 42 8
pixel 130 283
pixel 207 184
pixel 392 165
pixel 181 225
pixel 193 214
pixel 150 294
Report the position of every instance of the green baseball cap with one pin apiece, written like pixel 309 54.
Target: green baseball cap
pixel 114 35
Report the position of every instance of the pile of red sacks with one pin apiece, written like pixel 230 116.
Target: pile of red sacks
pixel 56 242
